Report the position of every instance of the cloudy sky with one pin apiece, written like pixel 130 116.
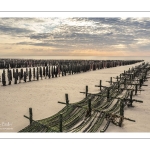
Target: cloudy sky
pixel 75 36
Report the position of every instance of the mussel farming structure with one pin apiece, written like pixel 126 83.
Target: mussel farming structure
pixel 96 111
pixel 34 70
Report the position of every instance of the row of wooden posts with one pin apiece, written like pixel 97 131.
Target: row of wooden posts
pixel 24 63
pixel 122 77
pixel 53 71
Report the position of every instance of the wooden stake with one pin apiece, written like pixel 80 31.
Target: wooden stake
pixel 86 91
pixel 30 115
pixel 67 101
pixel 60 123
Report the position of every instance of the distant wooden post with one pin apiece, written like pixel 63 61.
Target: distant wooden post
pixel 30 115
pixel 136 87
pixel 49 72
pixel 15 77
pixel 86 91
pixel 3 78
pixel 34 73
pixel 60 123
pixel 141 81
pixel 41 72
pixel 25 76
pixel 37 74
pixel 30 75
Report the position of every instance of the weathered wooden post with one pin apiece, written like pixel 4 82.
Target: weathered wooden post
pixel 67 101
pixel 44 71
pixel 37 74
pixel 131 94
pixel 100 84
pixel 21 73
pixel 120 76
pixel 108 92
pixel 118 86
pixel 41 72
pixel 34 73
pixel 3 78
pixel 86 91
pixel 117 78
pixel 121 112
pixel 26 72
pixel 25 76
pixel 30 115
pixel 30 75
pixel 15 75
pixel 141 82
pixel 110 80
pixel 10 77
pixel 49 72
pixel 89 106
pixel 52 72
pixel 60 123
pixel 136 88
pixel 125 82
pixel 124 72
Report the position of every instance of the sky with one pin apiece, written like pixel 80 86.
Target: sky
pixel 75 36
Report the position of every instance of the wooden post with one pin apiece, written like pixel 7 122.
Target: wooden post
pixel 60 123
pixel 86 91
pixel 3 78
pixel 121 112
pixel 25 76
pixel 120 76
pixel 136 86
pixel 131 94
pixel 67 101
pixel 141 82
pixel 89 105
pixel 124 82
pixel 124 72
pixel 30 115
pixel 34 73
pixel 49 73
pixel 37 74
pixel 100 84
pixel 15 78
pixel 117 78
pixel 41 72
pixel 107 94
pixel 30 74
pixel 110 80
pixel 118 86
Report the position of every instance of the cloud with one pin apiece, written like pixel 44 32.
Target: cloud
pixel 70 34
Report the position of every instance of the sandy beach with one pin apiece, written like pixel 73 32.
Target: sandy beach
pixel 43 97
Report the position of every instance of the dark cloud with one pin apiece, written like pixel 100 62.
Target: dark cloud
pixel 14 30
